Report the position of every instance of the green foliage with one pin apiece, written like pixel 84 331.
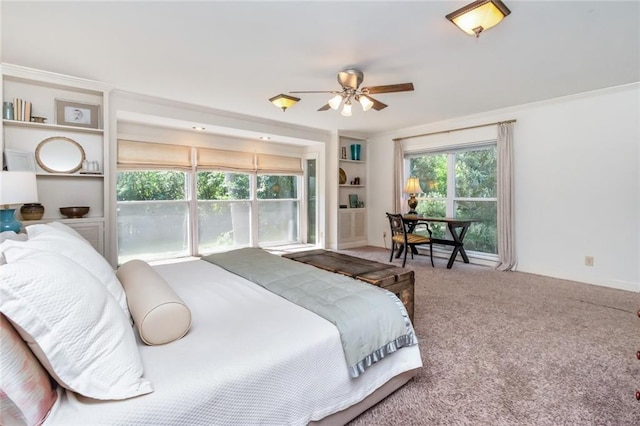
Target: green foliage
pixel 151 185
pixel 431 171
pixel 476 174
pixel 482 234
pixel 222 186
pixel 272 187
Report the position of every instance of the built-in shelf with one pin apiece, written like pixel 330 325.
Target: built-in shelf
pixel 352 221
pixel 55 189
pixel 88 219
pixel 82 175
pixel 46 126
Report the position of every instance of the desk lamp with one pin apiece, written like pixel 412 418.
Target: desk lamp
pixel 15 188
pixel 413 188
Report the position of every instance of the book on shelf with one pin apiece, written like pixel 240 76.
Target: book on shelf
pixel 21 110
pixel 17 110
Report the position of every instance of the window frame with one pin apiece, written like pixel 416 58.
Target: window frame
pixel 191 201
pixel 451 200
pixel 187 201
pixel 256 207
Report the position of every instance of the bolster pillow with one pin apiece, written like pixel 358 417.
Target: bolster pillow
pixel 158 312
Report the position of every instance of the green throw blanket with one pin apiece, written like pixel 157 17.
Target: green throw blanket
pixel 372 322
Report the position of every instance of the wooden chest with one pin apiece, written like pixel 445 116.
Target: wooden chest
pixel 397 280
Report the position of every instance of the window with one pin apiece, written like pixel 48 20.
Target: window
pixel 278 209
pixel 153 214
pixel 175 200
pixel 311 194
pixel 224 211
pixel 460 183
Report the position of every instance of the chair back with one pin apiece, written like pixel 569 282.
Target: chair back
pixel 397 225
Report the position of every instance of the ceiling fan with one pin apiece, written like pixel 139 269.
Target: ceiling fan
pixel 350 81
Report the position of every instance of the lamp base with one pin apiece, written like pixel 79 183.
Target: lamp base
pixel 413 203
pixel 8 221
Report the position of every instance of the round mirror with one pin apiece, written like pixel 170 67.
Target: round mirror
pixel 59 154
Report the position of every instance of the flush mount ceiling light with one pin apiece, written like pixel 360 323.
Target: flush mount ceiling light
pixel 284 101
pixel 479 16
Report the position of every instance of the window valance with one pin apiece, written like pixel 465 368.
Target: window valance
pixel 219 159
pixel 133 155
pixel 277 164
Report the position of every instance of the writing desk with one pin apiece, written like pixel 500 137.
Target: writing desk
pixel 457 228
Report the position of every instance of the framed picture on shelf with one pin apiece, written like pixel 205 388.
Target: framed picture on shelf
pixel 19 161
pixel 353 201
pixel 70 113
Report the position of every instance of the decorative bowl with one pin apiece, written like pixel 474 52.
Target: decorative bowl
pixel 74 212
pixel 32 211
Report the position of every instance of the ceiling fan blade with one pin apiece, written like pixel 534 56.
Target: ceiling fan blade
pixel 377 105
pixel 391 88
pixel 324 107
pixel 314 91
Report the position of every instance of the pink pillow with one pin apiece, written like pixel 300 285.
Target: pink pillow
pixel 27 394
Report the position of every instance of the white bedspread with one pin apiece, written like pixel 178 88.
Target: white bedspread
pixel 250 358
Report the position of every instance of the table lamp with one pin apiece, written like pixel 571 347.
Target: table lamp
pixel 412 188
pixel 15 188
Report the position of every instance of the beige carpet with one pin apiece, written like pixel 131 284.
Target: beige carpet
pixel 510 348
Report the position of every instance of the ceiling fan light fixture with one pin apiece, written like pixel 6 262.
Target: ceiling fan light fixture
pixel 335 102
pixel 346 109
pixel 479 16
pixel 365 102
pixel 284 101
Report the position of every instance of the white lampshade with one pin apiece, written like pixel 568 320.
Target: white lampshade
pixel 335 102
pixel 346 110
pixel 413 186
pixel 365 102
pixel 479 16
pixel 18 188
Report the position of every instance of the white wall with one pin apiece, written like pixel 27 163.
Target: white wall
pixel 577 184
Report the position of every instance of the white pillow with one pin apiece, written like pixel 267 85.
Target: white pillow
pixel 72 324
pixel 69 230
pixel 10 235
pixel 160 315
pixel 45 237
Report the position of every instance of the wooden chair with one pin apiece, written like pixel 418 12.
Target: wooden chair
pixel 404 240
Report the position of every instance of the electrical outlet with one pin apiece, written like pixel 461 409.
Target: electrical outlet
pixel 588 260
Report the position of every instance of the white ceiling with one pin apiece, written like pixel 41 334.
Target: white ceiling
pixel 234 56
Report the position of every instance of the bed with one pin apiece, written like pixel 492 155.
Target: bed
pixel 249 357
